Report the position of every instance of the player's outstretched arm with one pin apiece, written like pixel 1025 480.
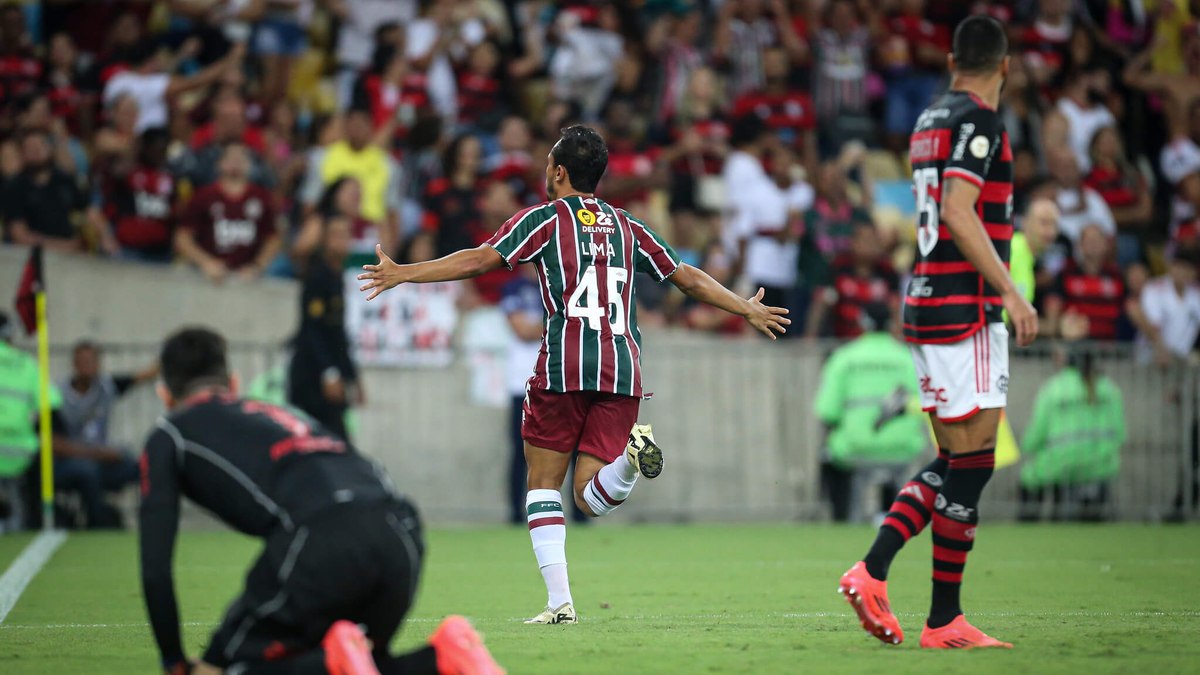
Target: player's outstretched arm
pixel 697 284
pixel 958 213
pixel 464 264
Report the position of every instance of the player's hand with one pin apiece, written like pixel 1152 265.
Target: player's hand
pixel 766 320
pixel 1023 316
pixel 215 270
pixel 334 391
pixel 380 277
pixel 1163 356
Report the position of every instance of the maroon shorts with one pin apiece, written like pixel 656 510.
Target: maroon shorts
pixel 597 423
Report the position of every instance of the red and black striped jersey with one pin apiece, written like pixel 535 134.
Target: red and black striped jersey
pixel 959 136
pixel 1100 297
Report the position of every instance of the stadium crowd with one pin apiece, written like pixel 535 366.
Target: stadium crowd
pixel 765 138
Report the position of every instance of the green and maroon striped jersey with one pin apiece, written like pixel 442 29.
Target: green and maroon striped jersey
pixel 587 253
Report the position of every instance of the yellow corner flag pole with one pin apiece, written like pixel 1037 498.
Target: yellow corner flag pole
pixel 43 339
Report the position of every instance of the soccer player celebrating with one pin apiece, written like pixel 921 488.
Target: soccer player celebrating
pixel 341 548
pixel 962 177
pixel 586 385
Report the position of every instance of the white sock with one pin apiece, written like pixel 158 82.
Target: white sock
pixel 548 531
pixel 611 486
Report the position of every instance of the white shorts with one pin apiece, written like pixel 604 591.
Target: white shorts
pixel 961 378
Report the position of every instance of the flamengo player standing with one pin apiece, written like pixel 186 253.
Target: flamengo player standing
pixel 962 177
pixel 586 386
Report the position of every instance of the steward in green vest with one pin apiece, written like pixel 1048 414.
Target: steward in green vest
pixel 18 405
pixel 1073 441
pixel 868 399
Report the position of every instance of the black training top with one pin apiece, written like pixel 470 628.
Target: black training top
pixel 258 467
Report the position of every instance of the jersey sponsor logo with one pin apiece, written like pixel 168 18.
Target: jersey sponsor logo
pixel 150 205
pixel 939 393
pixel 595 223
pixel 932 479
pixel 964 134
pixel 931 115
pixel 979 146
pixel 918 287
pixel 231 233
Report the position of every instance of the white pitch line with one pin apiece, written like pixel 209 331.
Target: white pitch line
pixel 26 567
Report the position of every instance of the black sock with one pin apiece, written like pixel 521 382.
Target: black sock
pixel 955 517
pixel 420 662
pixel 907 517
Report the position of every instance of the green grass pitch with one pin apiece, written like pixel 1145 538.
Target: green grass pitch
pixel 680 599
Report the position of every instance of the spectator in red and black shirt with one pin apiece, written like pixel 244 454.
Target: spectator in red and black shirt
pixel 1089 293
pixel 229 226
pixel 1045 41
pixel 787 110
pixel 633 169
pixel 64 82
pixel 20 70
pixel 481 101
pixel 514 164
pixel 861 277
pixel 199 164
pixel 695 155
pixel 455 207
pixel 395 92
pixel 914 59
pixel 140 202
pixel 1124 189
pixel 451 210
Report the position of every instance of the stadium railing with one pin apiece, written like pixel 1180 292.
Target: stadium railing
pixel 735 416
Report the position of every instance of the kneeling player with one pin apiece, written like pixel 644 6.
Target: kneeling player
pixel 342 549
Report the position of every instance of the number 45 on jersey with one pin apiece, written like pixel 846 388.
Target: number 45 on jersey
pixel 586 302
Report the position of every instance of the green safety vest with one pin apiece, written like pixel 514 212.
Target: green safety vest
pixel 19 409
pixel 1070 441
pixel 857 383
pixel 1021 264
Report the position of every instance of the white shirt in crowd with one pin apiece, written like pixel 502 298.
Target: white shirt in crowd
pixel 1177 317
pixel 1080 208
pixel 422 37
pixel 584 66
pixel 1180 159
pixel 150 92
pixel 757 209
pixel 356 38
pixel 1082 124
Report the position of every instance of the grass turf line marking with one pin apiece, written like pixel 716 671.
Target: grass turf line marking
pixel 26 567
